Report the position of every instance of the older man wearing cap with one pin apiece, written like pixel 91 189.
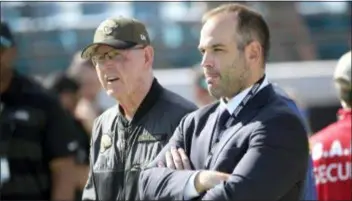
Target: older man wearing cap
pixel 129 135
pixel 331 147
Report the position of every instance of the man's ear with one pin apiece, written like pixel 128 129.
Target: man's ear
pixel 149 55
pixel 253 52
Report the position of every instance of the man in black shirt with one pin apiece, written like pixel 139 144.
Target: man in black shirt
pixel 37 142
pixel 68 92
pixel 128 136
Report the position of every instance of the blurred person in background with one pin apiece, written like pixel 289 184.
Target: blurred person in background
pixel 38 141
pixel 128 136
pixel 200 88
pixel 331 147
pixel 67 90
pixel 82 70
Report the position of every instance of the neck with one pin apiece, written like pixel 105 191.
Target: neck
pixel 248 83
pixel 6 78
pixel 131 102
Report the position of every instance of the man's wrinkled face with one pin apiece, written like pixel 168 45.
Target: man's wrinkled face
pixel 119 71
pixel 224 65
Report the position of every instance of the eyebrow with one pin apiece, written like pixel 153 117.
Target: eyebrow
pixel 217 45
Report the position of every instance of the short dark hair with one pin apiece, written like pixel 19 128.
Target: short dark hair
pixel 250 25
pixel 61 83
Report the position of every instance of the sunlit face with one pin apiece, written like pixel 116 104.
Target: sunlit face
pixel 119 71
pixel 224 65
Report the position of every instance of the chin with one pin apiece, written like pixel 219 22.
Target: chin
pixel 215 92
pixel 111 92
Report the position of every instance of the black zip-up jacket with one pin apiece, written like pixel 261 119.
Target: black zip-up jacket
pixel 120 149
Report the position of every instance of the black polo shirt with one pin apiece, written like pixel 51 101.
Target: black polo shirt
pixel 34 131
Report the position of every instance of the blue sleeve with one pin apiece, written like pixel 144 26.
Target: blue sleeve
pixel 309 191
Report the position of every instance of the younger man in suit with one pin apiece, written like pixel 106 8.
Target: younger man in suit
pixel 249 145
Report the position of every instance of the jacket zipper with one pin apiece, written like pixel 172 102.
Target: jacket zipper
pixel 122 147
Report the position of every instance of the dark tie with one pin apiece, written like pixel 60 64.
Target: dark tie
pixel 221 124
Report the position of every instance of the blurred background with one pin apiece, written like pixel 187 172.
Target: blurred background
pixel 307 38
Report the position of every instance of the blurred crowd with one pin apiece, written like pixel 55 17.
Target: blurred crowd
pixel 301 30
pixel 79 93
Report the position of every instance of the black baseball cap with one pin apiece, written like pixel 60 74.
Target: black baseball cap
pixel 6 37
pixel 119 33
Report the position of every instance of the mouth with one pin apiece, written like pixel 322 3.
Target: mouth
pixel 111 79
pixel 211 77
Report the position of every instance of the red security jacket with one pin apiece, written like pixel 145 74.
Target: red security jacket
pixel 331 153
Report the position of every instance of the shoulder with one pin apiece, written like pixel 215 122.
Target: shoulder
pixel 325 133
pixel 104 122
pixel 107 116
pixel 278 127
pixel 177 102
pixel 205 111
pixel 281 107
pixel 35 95
pixel 277 117
pixel 201 115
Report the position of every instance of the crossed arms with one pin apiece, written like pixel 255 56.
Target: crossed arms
pixel 275 161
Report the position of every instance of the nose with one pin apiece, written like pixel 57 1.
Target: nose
pixel 106 65
pixel 207 60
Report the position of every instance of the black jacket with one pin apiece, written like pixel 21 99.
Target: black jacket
pixel 120 148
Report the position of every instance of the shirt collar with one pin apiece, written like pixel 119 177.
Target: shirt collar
pixel 233 103
pixel 150 99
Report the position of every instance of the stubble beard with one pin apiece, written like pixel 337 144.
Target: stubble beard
pixel 230 86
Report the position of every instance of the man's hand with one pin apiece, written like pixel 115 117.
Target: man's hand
pixel 176 159
pixel 206 180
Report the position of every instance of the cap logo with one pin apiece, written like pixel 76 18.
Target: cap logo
pixel 108 30
pixel 143 37
pixel 108 27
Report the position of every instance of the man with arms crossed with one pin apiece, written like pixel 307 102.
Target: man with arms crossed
pixel 249 145
pixel 129 135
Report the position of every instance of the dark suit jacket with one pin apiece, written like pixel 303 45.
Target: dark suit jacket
pixel 265 150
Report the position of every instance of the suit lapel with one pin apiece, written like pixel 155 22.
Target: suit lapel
pixel 246 115
pixel 204 140
pixel 211 127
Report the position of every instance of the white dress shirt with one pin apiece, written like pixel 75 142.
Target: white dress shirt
pixel 190 190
